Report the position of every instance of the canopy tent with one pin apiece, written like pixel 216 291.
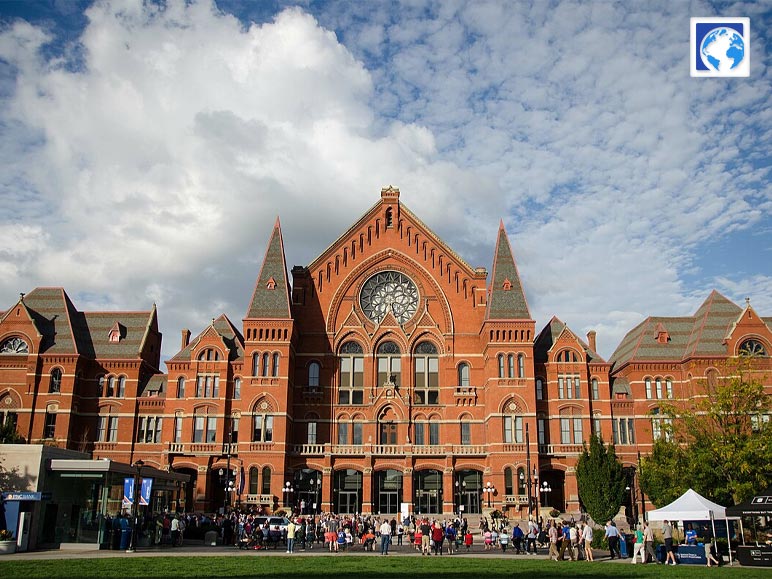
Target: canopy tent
pixel 692 506
pixel 760 505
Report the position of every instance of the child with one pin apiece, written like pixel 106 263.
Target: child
pixel 468 539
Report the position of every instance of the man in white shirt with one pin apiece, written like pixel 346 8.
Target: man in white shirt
pixel 385 537
pixel 587 537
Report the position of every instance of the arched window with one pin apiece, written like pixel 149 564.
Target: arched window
pixel 752 348
pixel 427 366
pixel 658 382
pixel 501 365
pixel 571 431
pixel 520 366
pixel 669 387
pixel 275 365
pixel 262 429
pixel 55 385
pixel 466 431
pixel 463 375
pixel 237 388
pixel 14 346
pixel 595 389
pixel 266 360
pixel 204 426
pixel 256 364
pixel 121 387
pixel 101 386
pixel 181 387
pixel 647 382
pixel 511 365
pixel 508 486
pixel 540 390
pixel 389 364
pixel 313 376
pixel 254 474
pixel 266 480
pixel 351 377
pixel 513 429
pixel 521 481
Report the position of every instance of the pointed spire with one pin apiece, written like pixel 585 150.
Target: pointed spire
pixel 271 298
pixel 507 299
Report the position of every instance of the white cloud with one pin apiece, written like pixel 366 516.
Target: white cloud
pixel 156 170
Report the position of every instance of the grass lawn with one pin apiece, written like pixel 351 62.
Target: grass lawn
pixel 352 566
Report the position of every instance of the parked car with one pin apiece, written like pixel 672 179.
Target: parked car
pixel 273 522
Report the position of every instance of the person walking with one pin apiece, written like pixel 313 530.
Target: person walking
pixel 612 535
pixel 648 542
pixel 385 537
pixel 638 548
pixel 667 536
pixel 708 540
pixel 553 535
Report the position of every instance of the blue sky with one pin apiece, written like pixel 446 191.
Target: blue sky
pixel 148 149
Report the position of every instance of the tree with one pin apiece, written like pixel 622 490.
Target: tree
pixel 720 441
pixel 8 434
pixel 601 480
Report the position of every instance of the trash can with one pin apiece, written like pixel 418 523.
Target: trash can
pixel 210 538
pixel 661 552
pixel 623 545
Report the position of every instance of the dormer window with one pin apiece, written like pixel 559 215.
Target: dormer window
pixel 507 285
pixel 271 284
pixel 663 337
pixel 389 218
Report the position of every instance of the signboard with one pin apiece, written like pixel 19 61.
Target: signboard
pixel 22 496
pixel 144 495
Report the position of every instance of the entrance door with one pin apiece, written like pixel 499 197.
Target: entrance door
pixel 428 502
pixel 348 502
pixel 471 502
pixel 389 502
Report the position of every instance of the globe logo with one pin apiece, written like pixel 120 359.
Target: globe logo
pixel 722 49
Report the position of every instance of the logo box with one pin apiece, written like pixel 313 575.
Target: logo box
pixel 720 47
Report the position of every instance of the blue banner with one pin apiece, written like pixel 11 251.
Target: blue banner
pixel 145 489
pixel 128 492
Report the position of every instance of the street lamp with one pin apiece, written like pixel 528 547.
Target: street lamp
pixel 545 489
pixel 135 506
pixel 529 484
pixel 489 489
pixel 631 489
pixel 316 485
pixel 460 492
pixel 288 490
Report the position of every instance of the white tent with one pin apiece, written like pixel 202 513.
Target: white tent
pixel 692 506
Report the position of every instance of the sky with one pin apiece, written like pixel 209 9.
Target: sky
pixel 148 148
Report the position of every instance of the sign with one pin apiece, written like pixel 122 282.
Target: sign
pixel 22 496
pixel 128 491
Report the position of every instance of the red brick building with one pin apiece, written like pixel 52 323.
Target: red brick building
pixel 386 372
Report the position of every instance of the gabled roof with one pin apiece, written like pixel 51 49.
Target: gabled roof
pixel 225 329
pixel 507 298
pixel 52 311
pixel 93 333
pixel 551 333
pixel 702 334
pixel 271 297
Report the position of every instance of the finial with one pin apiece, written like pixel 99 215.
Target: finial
pixel 747 301
pixel 21 296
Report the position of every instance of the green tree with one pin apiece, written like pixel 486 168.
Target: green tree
pixel 8 434
pixel 601 480
pixel 720 443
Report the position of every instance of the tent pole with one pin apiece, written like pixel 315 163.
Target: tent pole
pixel 729 541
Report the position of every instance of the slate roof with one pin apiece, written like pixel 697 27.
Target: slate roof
pixel 266 302
pixel 66 330
pixel 156 386
pixel 506 304
pixel 550 334
pixel 699 335
pixel 232 338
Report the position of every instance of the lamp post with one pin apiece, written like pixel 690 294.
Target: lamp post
pixel 135 506
pixel 545 489
pixel 228 483
pixel 529 484
pixel 489 489
pixel 316 484
pixel 631 489
pixel 288 490
pixel 460 493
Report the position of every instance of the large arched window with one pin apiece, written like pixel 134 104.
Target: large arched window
pixel 254 475
pixel 275 365
pixel 521 481
pixel 55 385
pixel 351 378
pixel 463 375
pixel 752 348
pixel 181 387
pixel 256 364
pixel 266 362
pixel 237 388
pixel 508 486
pixel 262 427
pixel 513 425
pixel 313 376
pixel 14 346
pixel 500 359
pixel 540 390
pixel 266 480
pixel 520 366
pixel 389 364
pixel 511 365
pixel 121 392
pixel 427 366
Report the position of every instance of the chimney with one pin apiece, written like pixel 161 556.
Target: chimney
pixel 591 340
pixel 185 338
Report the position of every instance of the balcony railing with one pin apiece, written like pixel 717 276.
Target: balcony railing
pixel 562 449
pixel 259 499
pixel 515 499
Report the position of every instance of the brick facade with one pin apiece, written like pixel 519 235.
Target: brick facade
pixel 387 371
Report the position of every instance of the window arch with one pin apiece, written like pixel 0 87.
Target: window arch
pixel 511 365
pixel 463 375
pixel 513 424
pixel 204 426
pixel 55 383
pixel 541 391
pixel 266 480
pixel 567 356
pixel 237 388
pixel 107 426
pixel 121 391
pixel 14 345
pixel 266 360
pixel 275 365
pixel 521 481
pixel 508 486
pixel 262 423
pixel 520 366
pixel 465 423
pixel 181 387
pixel 254 475
pixel 256 364
pixel 752 348
pixel 313 376
pixel 351 374
pixel 389 364
pixel 595 389
pixel 427 367
pixel 571 431
pixel 501 365
pixel 647 383
pixel 209 354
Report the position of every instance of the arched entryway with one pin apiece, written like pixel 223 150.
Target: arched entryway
pixel 388 491
pixel 552 493
pixel 427 492
pixel 468 488
pixel 187 492
pixel 307 483
pixel 347 492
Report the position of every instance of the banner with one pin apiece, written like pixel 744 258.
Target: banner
pixel 128 491
pixel 241 481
